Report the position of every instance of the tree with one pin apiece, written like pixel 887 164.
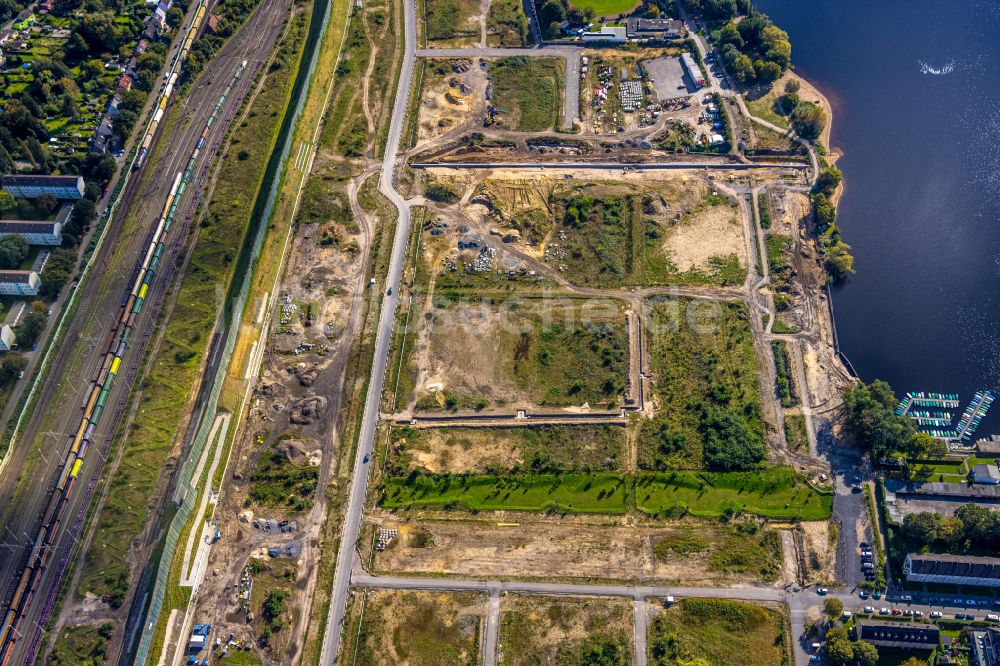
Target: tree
pixel 828 180
pixel 840 262
pixel 13 250
pixel 7 202
pixel 551 15
pixel 730 35
pixel 865 653
pixel 11 367
pixel 833 607
pixel 174 18
pixel 32 325
pixel 913 661
pixel 792 86
pixel 923 528
pixel 808 120
pixel 46 204
pixel 767 71
pixel 743 68
pixel 871 414
pixel 839 651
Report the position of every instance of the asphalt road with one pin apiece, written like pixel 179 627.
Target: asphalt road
pixel 366 438
pixel 28 480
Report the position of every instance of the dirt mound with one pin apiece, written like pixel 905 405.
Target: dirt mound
pixel 307 409
pixel 293 450
pixel 306 373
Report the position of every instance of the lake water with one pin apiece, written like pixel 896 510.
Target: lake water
pixel 915 90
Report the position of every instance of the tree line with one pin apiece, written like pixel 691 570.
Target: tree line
pixel 973 529
pixel 871 415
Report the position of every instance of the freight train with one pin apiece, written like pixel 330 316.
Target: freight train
pixel 168 89
pixel 96 397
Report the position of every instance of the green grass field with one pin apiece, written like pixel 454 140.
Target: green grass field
pixel 795 432
pixel 777 493
pixel 416 628
pixel 606 7
pixel 706 381
pixel 610 241
pixel 537 630
pixel 527 91
pixel 507 24
pixel 577 493
pixel 543 352
pixel 446 19
pixel 84 644
pixel 720 631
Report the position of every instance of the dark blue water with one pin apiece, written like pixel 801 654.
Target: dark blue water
pixel 915 90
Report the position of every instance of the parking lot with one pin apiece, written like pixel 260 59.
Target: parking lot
pixel 668 78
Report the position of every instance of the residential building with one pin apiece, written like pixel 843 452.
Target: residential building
pixel 952 569
pixel 29 187
pixel 7 338
pixel 38 232
pixel 987 474
pixel 641 28
pixel 898 635
pixel 985 648
pixel 19 283
pixel 692 69
pixel 607 33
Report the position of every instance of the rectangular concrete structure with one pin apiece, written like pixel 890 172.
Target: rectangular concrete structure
pixel 29 187
pixel 952 569
pixel 19 283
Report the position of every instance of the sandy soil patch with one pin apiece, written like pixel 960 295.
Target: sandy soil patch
pixel 712 232
pixel 569 549
pixel 820 551
pixel 450 98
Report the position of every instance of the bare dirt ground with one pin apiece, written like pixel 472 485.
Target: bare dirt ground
pixel 518 546
pixel 535 630
pixel 451 97
pixel 457 451
pixel 820 552
pixel 711 232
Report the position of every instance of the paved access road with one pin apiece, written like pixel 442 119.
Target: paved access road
pixel 383 339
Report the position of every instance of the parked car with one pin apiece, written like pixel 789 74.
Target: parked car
pixel 992 617
pixel 864 594
pixel 869 609
pixel 864 545
pixel 936 614
pixel 821 590
pixel 906 597
pixel 883 611
pixel 897 611
pixel 918 613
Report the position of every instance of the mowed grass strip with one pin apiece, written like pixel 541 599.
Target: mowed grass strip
pixel 576 493
pixel 723 632
pixel 606 7
pixel 777 493
pixel 527 92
